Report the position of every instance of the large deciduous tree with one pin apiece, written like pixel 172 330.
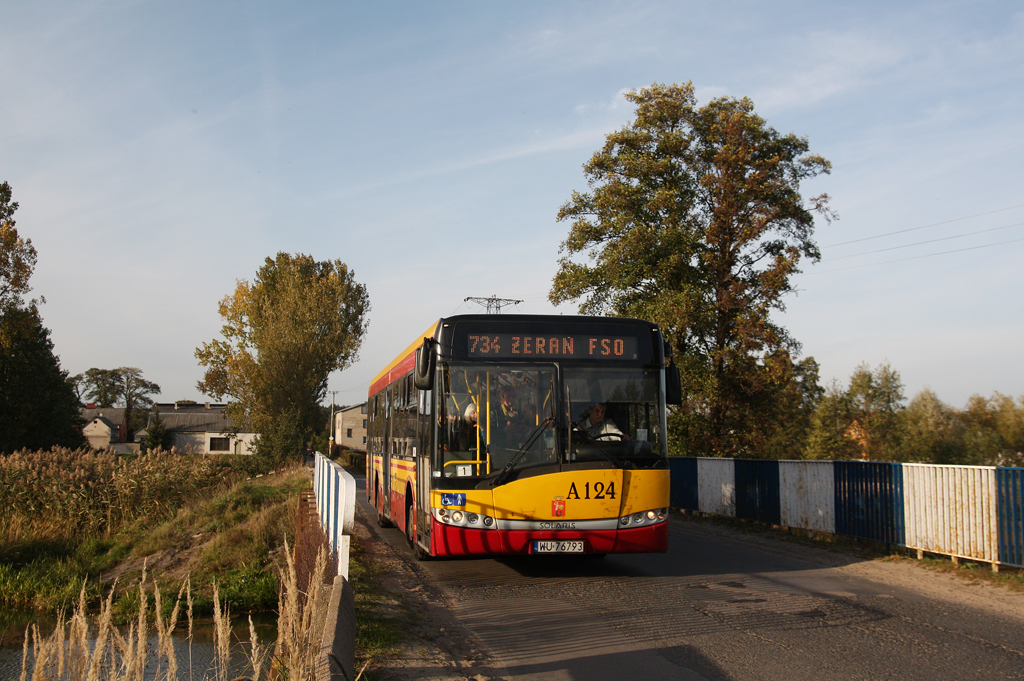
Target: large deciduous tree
pixel 17 255
pixel 994 430
pixel 38 402
pixel 122 387
pixel 865 421
pixel 98 386
pixel 283 335
pixel 933 432
pixel 694 220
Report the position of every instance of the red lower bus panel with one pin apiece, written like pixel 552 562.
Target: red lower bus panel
pixel 653 539
pixel 447 540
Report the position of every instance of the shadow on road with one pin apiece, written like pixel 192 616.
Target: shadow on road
pixel 697 547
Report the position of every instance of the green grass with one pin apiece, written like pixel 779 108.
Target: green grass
pixel 234 536
pixel 46 583
pixel 381 619
pixel 1009 577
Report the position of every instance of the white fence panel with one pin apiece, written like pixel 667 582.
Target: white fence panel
pixel 336 503
pixel 716 492
pixel 807 495
pixel 951 510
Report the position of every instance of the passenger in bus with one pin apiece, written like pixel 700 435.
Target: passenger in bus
pixel 467 437
pixel 508 419
pixel 507 403
pixel 597 425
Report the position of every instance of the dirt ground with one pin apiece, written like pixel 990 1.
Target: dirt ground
pixel 438 648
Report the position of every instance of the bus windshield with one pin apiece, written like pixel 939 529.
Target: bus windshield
pixel 492 414
pixel 495 418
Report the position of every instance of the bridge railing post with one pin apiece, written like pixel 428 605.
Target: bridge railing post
pixel 336 504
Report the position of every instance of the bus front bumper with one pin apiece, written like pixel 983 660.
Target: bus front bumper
pixel 447 540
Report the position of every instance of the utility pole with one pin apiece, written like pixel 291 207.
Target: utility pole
pixel 331 445
pixel 493 304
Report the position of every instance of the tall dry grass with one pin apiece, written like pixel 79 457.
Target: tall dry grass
pixel 61 494
pixel 81 648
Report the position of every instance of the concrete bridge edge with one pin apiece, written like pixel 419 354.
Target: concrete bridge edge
pixel 338 646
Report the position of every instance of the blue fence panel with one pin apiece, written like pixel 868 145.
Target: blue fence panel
pixel 683 483
pixel 869 501
pixel 757 490
pixel 1010 511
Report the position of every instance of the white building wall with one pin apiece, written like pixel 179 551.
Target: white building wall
pixel 350 419
pixel 199 443
pixel 98 434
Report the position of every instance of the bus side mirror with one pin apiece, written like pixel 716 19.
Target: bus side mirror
pixel 673 382
pixel 673 385
pixel 426 360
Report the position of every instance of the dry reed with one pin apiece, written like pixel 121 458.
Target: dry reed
pixel 79 651
pixel 301 619
pixel 61 493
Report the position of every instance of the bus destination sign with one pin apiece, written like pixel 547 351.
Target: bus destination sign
pixel 513 345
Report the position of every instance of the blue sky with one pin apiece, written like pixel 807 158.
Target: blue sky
pixel 160 151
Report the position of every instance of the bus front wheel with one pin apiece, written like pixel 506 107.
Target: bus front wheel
pixel 382 520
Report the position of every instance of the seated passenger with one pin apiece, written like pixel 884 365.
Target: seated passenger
pixel 597 425
pixel 467 436
pixel 508 426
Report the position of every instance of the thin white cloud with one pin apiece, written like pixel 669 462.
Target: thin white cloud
pixel 616 105
pixel 837 64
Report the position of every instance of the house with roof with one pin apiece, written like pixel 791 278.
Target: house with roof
pixel 201 428
pixel 104 426
pixel 350 427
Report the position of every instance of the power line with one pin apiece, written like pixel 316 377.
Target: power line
pixel 348 390
pixel 930 241
pixel 916 257
pixel 934 224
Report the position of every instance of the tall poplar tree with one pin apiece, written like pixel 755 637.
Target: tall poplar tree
pixel 283 335
pixel 694 220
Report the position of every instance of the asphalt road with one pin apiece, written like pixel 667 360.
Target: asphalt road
pixel 721 604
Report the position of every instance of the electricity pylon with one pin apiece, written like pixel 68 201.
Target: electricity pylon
pixel 493 304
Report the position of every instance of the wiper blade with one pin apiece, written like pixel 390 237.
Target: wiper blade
pixel 522 450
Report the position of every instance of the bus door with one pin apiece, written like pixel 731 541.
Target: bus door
pixel 423 469
pixel 388 442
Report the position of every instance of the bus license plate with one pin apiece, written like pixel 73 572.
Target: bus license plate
pixel 572 546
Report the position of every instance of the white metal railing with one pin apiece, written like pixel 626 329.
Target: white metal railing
pixel 717 480
pixel 951 510
pixel 336 504
pixel 807 495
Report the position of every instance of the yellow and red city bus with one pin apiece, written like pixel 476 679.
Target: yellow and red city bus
pixel 524 434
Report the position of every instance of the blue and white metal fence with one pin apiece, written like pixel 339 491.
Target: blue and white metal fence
pixel 1010 514
pixel 972 512
pixel 336 503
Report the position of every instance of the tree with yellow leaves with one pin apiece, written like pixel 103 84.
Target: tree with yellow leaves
pixel 283 335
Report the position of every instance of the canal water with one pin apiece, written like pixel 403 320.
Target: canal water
pixel 195 658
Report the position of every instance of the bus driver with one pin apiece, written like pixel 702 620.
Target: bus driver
pixel 597 425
